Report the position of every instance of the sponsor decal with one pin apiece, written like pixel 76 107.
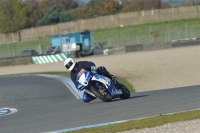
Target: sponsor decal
pixel 7 111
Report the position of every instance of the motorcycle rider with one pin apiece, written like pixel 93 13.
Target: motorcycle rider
pixel 75 67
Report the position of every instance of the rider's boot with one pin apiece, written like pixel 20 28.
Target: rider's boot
pixel 87 97
pixel 102 70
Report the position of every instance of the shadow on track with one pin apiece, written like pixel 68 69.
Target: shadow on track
pixel 118 99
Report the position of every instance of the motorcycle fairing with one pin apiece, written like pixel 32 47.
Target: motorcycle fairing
pixel 108 83
pixel 83 80
pixel 102 79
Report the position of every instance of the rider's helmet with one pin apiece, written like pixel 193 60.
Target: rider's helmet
pixel 69 63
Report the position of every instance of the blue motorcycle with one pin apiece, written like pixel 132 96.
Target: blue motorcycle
pixel 100 86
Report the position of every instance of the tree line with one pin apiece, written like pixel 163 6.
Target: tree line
pixel 20 14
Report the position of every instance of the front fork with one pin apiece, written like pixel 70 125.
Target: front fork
pixel 90 93
pixel 102 90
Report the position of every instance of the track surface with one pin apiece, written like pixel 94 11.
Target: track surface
pixel 46 105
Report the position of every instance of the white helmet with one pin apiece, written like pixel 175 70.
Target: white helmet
pixel 69 63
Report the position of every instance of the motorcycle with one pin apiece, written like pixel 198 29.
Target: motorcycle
pixel 100 86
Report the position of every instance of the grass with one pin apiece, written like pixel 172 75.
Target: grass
pixel 144 123
pixel 15 49
pixel 126 35
pixel 127 84
pixel 146 33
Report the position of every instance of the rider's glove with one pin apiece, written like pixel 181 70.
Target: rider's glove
pixel 114 79
pixel 93 69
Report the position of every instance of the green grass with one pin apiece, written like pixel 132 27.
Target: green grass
pixel 143 123
pixel 146 33
pixel 127 84
pixel 15 49
pixel 126 35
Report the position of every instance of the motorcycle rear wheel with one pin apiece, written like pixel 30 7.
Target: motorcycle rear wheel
pixel 101 93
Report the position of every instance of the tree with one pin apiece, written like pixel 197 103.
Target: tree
pixel 139 5
pixel 135 5
pixel 83 12
pixel 13 16
pixel 165 5
pixel 52 16
pixel 45 5
pixel 65 16
pixel 52 13
pixel 68 4
pixel 93 4
pixel 108 7
pixel 35 12
pixel 152 4
pixel 65 4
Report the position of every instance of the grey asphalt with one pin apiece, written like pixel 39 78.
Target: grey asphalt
pixel 45 105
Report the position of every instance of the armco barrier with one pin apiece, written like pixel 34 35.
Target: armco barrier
pixel 156 46
pixel 151 46
pixel 186 43
pixel 114 50
pixel 50 58
pixel 132 48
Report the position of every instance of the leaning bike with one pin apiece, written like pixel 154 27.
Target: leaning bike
pixel 101 87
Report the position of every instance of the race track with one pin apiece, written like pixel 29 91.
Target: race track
pixel 45 105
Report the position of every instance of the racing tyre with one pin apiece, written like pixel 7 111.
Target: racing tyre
pixel 101 93
pixel 125 92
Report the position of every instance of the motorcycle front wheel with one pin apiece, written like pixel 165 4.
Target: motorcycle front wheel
pixel 101 93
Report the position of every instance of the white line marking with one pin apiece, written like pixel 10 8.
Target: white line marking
pixel 67 83
pixel 111 123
